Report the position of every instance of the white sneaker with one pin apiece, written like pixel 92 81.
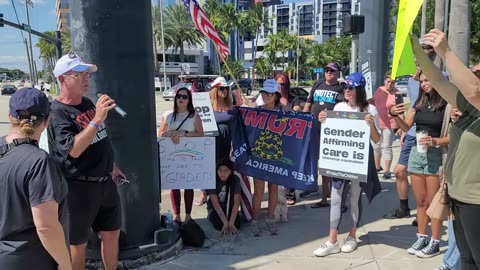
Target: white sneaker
pixel 349 245
pixel 327 249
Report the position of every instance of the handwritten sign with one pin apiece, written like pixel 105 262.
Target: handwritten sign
pixel 203 106
pixel 344 146
pixel 187 165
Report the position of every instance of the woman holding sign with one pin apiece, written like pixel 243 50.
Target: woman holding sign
pixel 183 121
pixel 425 161
pixel 355 101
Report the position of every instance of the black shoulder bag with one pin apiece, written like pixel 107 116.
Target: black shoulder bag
pixel 16 142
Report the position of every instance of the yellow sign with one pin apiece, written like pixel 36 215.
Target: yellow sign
pixel 403 58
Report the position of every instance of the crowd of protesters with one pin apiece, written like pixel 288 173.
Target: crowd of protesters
pixel 439 134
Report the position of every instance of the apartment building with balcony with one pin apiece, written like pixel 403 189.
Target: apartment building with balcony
pixel 62 11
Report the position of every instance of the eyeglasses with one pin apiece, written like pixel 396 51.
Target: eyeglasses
pixel 180 96
pixel 350 87
pixel 223 88
pixel 267 93
pixel 77 75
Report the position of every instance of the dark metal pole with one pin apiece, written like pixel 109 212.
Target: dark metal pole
pixel 374 42
pixel 116 35
pixel 58 44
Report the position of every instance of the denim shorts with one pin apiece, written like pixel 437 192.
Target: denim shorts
pixel 425 163
pixel 408 143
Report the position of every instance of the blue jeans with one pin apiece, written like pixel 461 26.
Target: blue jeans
pixel 452 256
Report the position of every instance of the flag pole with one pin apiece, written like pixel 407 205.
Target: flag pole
pixel 231 74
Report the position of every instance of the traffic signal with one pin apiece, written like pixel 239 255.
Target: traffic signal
pixel 1 20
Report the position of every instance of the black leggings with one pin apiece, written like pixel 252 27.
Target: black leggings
pixel 467 229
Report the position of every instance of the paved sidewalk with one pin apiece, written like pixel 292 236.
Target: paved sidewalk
pixel 382 243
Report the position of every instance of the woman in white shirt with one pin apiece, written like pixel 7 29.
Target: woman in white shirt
pixel 183 121
pixel 355 101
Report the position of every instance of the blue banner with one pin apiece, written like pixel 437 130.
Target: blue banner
pixel 276 146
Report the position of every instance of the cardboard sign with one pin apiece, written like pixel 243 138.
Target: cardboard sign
pixel 187 165
pixel 203 106
pixel 344 146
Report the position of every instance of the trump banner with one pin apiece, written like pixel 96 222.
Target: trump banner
pixel 279 147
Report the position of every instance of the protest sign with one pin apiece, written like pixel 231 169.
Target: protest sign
pixel 279 147
pixel 403 58
pixel 344 146
pixel 203 106
pixel 187 165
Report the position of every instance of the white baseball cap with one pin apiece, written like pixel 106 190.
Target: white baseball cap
pixel 72 62
pixel 220 81
pixel 270 86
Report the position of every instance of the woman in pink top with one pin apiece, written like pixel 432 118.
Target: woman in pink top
pixel 384 99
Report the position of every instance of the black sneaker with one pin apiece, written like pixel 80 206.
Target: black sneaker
pixel 307 194
pixel 379 169
pixel 432 249
pixel 398 213
pixel 422 242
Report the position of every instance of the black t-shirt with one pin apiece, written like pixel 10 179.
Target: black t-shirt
pixel 430 121
pixel 65 122
pixel 29 177
pixel 223 190
pixel 324 96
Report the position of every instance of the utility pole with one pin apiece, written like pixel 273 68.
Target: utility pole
pixel 423 25
pixel 33 75
pixel 29 59
pixel 163 46
pixel 298 39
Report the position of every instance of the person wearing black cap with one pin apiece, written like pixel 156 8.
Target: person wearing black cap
pixel 33 213
pixel 325 94
pixel 77 138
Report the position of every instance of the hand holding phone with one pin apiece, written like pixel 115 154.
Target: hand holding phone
pixel 398 99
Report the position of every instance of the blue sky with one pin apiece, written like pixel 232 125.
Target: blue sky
pixel 12 49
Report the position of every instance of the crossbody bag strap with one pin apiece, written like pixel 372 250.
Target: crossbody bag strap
pixel 182 122
pixel 6 147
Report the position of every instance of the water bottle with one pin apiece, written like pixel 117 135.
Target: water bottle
pixel 169 220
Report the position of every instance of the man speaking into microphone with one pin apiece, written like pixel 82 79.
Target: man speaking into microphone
pixel 77 138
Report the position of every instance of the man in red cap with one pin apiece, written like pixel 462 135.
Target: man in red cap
pixel 325 94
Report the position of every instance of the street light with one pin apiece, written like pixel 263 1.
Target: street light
pixel 298 37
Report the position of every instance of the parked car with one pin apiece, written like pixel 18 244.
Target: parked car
pixel 245 84
pixel 299 92
pixel 194 83
pixel 8 89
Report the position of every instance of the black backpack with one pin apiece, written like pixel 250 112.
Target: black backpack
pixel 192 234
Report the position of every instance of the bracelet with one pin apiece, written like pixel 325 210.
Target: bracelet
pixel 95 125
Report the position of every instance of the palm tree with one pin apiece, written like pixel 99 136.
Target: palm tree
pixel 459 29
pixel 66 38
pixel 236 68
pixel 263 68
pixel 180 30
pixel 257 17
pixel 48 51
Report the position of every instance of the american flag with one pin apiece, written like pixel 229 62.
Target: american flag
pixel 203 24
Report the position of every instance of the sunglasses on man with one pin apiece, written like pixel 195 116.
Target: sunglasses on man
pixel 180 96
pixel 329 70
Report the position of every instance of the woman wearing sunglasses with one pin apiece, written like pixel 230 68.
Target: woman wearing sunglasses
pixel 183 121
pixel 355 101
pixel 222 100
pixel 271 96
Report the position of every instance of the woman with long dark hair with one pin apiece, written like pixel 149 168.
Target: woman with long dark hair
pixel 355 100
pixel 183 121
pixel 425 161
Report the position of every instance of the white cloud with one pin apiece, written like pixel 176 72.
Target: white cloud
pixel 4 2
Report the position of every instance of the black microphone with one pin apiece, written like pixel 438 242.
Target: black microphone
pixel 116 108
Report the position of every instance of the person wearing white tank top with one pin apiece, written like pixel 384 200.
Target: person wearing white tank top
pixel 182 121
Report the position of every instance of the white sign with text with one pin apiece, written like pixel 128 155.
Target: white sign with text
pixel 203 106
pixel 344 146
pixel 189 164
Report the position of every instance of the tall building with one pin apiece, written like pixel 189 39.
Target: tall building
pixel 312 19
pixel 62 10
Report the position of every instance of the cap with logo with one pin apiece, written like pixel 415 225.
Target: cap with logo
pixel 72 62
pixel 355 80
pixel 220 81
pixel 29 103
pixel 270 86
pixel 333 66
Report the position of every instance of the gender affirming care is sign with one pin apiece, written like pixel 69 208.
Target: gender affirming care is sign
pixel 344 146
pixel 203 106
pixel 187 165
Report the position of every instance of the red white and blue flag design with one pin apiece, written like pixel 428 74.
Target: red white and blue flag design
pixel 203 24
